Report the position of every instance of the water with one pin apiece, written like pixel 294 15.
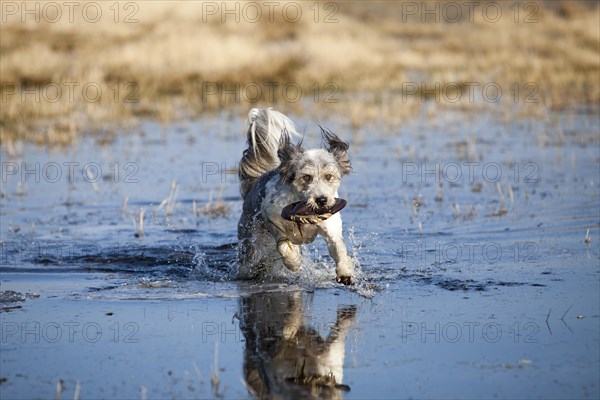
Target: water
pixel 474 277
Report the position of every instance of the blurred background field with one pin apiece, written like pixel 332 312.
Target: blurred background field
pixel 66 75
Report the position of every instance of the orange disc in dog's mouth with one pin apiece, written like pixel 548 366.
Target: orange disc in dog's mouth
pixel 304 214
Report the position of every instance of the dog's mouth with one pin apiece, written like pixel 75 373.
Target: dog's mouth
pixel 304 213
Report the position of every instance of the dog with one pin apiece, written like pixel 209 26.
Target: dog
pixel 274 173
pixel 286 358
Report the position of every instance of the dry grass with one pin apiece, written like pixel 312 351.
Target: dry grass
pixel 213 209
pixel 159 67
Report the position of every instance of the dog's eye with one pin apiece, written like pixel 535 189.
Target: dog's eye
pixel 328 177
pixel 307 178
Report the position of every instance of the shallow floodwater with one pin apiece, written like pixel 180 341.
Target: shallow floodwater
pixel 475 278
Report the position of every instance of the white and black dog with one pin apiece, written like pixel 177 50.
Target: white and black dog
pixel 274 173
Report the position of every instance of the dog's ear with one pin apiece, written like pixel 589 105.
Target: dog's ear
pixel 339 149
pixel 288 156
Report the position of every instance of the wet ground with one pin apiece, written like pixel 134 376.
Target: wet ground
pixel 468 231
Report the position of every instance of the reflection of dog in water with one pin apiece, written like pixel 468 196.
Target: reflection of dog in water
pixel 284 358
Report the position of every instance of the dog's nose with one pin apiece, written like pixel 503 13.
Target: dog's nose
pixel 321 201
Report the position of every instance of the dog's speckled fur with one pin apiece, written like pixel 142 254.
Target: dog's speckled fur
pixel 274 173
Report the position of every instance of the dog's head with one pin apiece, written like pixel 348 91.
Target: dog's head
pixel 315 174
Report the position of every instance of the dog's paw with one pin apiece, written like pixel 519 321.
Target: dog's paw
pixel 345 279
pixel 291 256
pixel 346 313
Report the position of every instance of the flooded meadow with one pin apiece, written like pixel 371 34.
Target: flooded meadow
pixel 475 238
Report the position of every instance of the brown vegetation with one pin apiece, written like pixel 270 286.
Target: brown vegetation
pixel 379 60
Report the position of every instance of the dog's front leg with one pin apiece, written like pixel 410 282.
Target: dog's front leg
pixel 276 225
pixel 290 254
pixel 331 230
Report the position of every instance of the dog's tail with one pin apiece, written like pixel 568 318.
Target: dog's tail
pixel 266 129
